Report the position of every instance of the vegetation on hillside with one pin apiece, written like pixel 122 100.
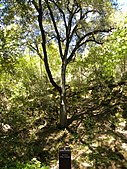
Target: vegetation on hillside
pixel 63 82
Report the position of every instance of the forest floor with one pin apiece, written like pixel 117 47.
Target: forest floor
pixel 80 153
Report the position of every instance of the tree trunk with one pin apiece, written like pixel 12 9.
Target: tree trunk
pixel 63 111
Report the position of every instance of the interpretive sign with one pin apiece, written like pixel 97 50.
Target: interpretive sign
pixel 65 158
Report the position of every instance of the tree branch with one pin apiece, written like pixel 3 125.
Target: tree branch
pixel 68 32
pixel 81 41
pixel 82 16
pixel 36 49
pixel 61 11
pixel 35 5
pixel 55 27
pixel 39 9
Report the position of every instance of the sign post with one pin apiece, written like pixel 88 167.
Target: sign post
pixel 65 158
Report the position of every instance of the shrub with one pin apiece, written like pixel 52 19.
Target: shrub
pixel 33 164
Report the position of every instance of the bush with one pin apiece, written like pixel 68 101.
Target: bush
pixel 33 164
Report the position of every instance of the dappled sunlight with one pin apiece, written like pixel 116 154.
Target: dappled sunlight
pixel 63 83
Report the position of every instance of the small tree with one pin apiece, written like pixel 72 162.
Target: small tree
pixel 71 24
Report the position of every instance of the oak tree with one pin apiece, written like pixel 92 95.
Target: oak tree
pixel 71 24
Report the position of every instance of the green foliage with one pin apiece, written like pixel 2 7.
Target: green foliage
pixel 25 106
pixel 96 93
pixel 110 58
pixel 33 164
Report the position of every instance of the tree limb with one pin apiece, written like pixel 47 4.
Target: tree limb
pixel 39 9
pixel 61 11
pixel 55 27
pixel 80 41
pixel 35 5
pixel 36 49
pixel 68 32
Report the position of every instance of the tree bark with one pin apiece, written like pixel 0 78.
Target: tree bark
pixel 63 110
